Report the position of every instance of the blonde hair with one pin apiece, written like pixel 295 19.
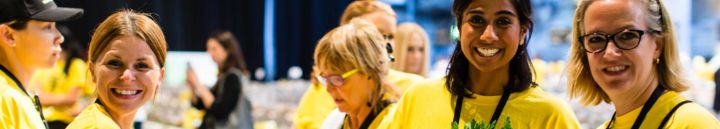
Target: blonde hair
pixel 580 81
pixel 402 40
pixel 354 46
pixel 362 7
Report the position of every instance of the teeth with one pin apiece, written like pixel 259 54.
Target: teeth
pixel 487 51
pixel 126 92
pixel 616 68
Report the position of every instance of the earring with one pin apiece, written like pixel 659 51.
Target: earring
pixel 657 60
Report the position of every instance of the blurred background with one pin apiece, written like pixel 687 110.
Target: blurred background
pixel 278 39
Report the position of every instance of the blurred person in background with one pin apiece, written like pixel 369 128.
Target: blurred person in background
pixel 29 41
pixel 225 105
pixel 412 47
pixel 625 53
pixel 126 62
pixel 316 104
pixel 63 89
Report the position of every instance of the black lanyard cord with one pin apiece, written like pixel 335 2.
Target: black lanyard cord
pixel 646 108
pixel 498 109
pixel 35 97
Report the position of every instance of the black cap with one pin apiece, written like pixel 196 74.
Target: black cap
pixel 44 10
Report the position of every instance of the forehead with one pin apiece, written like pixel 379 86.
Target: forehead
pixel 129 46
pixel 609 16
pixel 490 6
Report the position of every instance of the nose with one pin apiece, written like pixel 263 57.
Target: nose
pixel 612 50
pixel 59 38
pixel 489 34
pixel 127 75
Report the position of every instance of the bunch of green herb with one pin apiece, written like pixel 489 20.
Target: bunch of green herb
pixel 473 124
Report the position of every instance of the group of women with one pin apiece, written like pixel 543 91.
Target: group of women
pixel 368 72
pixel 623 52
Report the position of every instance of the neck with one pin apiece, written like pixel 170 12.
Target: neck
pixel 488 83
pixel 358 117
pixel 18 70
pixel 124 120
pixel 632 99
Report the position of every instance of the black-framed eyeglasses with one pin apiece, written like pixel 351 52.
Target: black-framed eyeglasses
pixel 627 39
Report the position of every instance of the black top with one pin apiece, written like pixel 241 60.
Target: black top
pixel 225 99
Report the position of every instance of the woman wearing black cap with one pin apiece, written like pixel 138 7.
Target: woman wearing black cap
pixel 28 41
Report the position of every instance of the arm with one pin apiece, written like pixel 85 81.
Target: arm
pixel 201 93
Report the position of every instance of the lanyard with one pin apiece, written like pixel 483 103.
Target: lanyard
pixel 372 115
pixel 648 104
pixel 36 101
pixel 496 114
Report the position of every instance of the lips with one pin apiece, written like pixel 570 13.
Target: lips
pixel 126 93
pixel 615 70
pixel 487 52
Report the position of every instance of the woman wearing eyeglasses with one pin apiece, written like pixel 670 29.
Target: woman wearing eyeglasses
pixel 625 53
pixel 352 66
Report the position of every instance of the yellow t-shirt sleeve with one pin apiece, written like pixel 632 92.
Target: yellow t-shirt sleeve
pixel 314 107
pixel 693 116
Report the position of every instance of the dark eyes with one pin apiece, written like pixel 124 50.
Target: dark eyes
pixel 116 64
pixel 476 20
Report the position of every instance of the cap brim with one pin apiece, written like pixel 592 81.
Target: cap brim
pixel 58 14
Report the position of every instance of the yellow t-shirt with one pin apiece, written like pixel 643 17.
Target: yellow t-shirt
pixel 688 116
pixel 378 119
pixel 93 117
pixel 17 109
pixel 314 106
pixel 55 81
pixel 316 103
pixel 429 105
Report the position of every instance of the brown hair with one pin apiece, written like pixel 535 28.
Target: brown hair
pixel 362 7
pixel 230 44
pixel 127 23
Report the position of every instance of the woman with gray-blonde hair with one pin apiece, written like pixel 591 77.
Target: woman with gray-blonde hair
pixel 625 53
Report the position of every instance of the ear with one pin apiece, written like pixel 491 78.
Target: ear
pixel 162 75
pixel 91 68
pixel 523 32
pixel 659 46
pixel 6 35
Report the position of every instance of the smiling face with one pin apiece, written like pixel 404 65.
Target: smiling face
pixel 127 74
pixel 38 44
pixel 614 69
pixel 490 34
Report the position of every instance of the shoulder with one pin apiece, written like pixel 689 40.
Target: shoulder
pixel 431 88
pixel 93 117
pixel 692 115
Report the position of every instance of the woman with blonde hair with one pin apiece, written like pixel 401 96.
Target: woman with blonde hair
pixel 352 67
pixel 625 53
pixel 126 61
pixel 315 104
pixel 412 49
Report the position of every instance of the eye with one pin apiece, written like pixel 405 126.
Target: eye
pixel 628 36
pixel 596 39
pixel 476 20
pixel 142 67
pixel 503 21
pixel 114 64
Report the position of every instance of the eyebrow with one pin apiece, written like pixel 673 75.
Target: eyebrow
pixel 622 28
pixel 143 58
pixel 480 11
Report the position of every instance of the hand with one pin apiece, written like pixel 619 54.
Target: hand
pixel 71 97
pixel 191 78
